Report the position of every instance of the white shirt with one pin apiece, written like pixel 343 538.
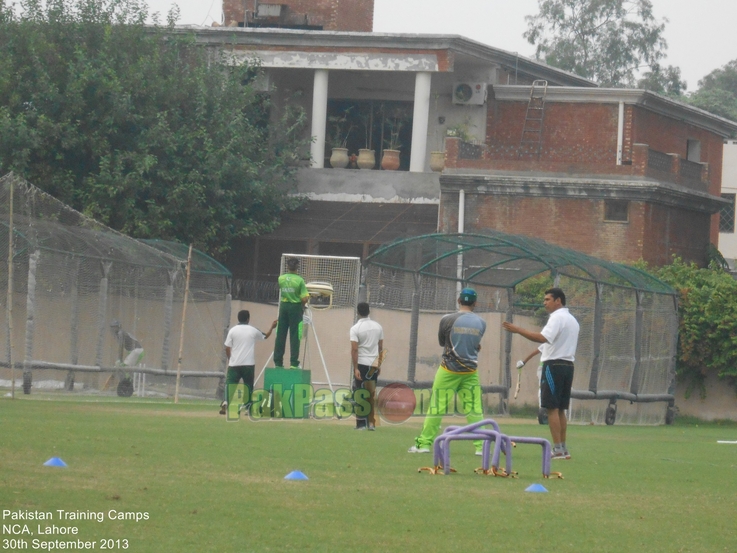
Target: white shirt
pixel 242 340
pixel 561 332
pixel 367 334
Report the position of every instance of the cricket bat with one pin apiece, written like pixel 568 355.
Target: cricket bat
pixel 377 364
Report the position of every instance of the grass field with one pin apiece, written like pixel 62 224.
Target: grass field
pixel 207 485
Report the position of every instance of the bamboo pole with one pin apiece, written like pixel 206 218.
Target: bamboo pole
pixel 181 330
pixel 9 307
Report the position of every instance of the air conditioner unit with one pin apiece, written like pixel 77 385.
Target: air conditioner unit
pixel 470 94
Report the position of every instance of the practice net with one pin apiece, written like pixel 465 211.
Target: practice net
pixel 625 362
pixel 93 311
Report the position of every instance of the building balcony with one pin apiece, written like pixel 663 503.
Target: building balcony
pixel 644 162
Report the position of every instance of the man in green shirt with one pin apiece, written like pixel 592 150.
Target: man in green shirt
pixel 294 297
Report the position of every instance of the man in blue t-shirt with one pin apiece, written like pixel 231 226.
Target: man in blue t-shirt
pixel 460 336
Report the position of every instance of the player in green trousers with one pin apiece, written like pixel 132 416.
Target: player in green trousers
pixel 294 297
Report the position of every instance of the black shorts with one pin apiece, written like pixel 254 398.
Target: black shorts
pixel 363 370
pixel 556 381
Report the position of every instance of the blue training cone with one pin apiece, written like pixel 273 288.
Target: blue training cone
pixel 535 488
pixel 296 475
pixel 55 462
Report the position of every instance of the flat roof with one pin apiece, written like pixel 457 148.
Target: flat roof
pixel 308 40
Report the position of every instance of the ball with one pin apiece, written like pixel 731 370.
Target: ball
pixel 396 403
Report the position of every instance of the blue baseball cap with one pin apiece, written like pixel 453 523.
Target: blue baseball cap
pixel 468 295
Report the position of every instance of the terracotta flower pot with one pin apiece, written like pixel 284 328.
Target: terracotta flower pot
pixel 390 160
pixel 437 161
pixel 339 158
pixel 366 159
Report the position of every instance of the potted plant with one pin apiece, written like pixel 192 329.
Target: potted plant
pixel 460 130
pixel 337 138
pixel 390 156
pixel 367 156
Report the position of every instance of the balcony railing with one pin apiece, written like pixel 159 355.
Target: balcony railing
pixel 674 168
pixel 659 161
pixel 468 150
pixel 643 161
pixel 690 169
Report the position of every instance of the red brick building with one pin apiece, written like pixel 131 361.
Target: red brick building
pixel 618 174
pixel 322 15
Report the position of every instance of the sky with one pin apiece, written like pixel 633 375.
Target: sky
pixel 700 35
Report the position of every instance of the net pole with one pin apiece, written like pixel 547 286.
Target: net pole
pixel 9 307
pixel 181 330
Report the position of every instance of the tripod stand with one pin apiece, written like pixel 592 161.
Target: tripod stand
pixel 307 323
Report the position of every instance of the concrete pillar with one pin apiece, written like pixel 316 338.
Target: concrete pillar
pixel 319 117
pixel 419 122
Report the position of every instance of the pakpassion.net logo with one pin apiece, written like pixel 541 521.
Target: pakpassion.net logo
pixel 394 403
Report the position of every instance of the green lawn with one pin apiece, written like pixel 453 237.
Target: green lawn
pixel 208 485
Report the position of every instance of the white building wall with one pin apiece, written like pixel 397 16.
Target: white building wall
pixel 728 240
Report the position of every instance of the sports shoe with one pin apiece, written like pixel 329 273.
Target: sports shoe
pixel 371 427
pixel 567 455
pixel 223 407
pixel 480 453
pixel 415 449
pixel 360 428
pixel 294 367
pixel 558 454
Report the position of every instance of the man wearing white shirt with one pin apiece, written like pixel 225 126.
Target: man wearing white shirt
pixel 367 342
pixel 240 349
pixel 560 336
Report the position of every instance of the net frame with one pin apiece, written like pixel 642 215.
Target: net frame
pixel 628 318
pixel 325 349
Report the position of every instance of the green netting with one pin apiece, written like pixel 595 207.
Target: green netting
pixel 504 260
pixel 628 318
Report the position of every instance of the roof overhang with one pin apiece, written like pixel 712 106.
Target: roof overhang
pixel 644 98
pixel 586 188
pixel 351 42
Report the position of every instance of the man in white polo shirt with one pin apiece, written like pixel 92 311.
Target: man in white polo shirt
pixel 367 342
pixel 560 335
pixel 240 348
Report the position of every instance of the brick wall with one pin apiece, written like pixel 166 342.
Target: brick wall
pixel 582 138
pixel 585 134
pixel 653 233
pixel 670 136
pixel 331 15
pixel 572 133
pixel 669 231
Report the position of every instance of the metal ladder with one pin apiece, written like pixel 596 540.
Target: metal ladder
pixel 532 132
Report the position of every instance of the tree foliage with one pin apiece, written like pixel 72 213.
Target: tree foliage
pixel 707 309
pixel 663 80
pixel 607 41
pixel 717 92
pixel 139 126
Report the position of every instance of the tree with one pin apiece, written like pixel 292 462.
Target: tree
pixel 140 127
pixel 666 81
pixel 707 313
pixel 607 41
pixel 717 92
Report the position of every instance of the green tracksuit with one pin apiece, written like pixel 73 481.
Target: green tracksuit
pixel 292 288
